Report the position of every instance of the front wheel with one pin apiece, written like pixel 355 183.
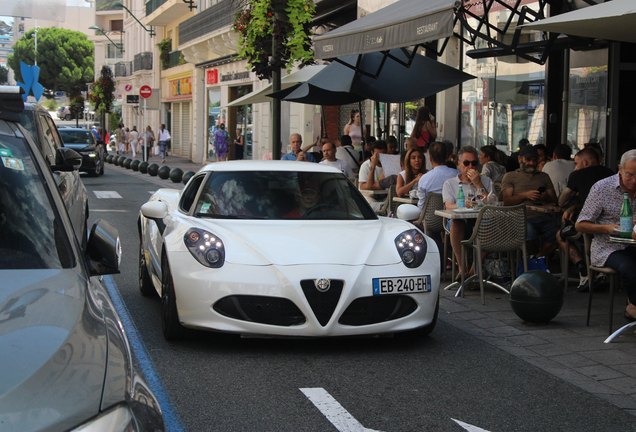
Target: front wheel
pixel 170 325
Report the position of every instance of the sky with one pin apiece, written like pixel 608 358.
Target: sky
pixel 75 3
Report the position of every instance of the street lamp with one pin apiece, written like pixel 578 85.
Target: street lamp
pixel 119 46
pixel 119 4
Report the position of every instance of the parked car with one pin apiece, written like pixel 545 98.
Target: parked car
pixel 285 249
pixel 64 113
pixel 38 122
pixel 84 142
pixel 66 361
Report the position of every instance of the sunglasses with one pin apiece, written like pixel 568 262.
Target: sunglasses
pixel 473 163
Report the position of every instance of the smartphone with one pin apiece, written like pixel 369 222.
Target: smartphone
pixel 541 189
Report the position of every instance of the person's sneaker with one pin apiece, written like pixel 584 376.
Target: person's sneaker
pixel 600 279
pixel 583 284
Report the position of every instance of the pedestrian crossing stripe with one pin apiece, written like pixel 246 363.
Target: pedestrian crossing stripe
pixel 106 194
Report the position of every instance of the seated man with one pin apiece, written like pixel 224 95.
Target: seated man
pixel 529 186
pixel 587 172
pixel 371 173
pixel 296 153
pixel 433 180
pixel 329 152
pixel 601 216
pixel 470 180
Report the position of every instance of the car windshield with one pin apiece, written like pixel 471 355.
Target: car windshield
pixel 32 235
pixel 76 136
pixel 281 195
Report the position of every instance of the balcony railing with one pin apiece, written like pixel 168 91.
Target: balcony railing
pixel 213 18
pixel 153 5
pixel 175 57
pixel 142 61
pixel 123 69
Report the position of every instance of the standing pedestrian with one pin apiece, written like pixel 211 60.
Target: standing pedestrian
pixel 134 140
pixel 150 139
pixel 238 152
pixel 221 139
pixel 127 140
pixel 120 136
pixel 164 136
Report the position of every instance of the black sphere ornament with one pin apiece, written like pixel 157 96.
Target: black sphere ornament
pixel 153 169
pixel 164 172
pixel 121 160
pixel 536 296
pixel 176 175
pixel 109 159
pixel 187 176
pixel 127 163
pixel 143 167
pixel 135 165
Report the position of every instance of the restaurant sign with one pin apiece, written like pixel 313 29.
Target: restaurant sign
pixel 235 76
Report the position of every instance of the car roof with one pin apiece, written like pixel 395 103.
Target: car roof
pixel 268 165
pixel 34 107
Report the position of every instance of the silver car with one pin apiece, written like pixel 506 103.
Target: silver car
pixel 66 361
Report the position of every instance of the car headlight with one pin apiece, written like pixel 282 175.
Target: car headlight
pixel 411 246
pixel 92 154
pixel 117 419
pixel 206 247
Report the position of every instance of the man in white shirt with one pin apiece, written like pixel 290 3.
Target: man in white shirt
pixel 134 140
pixel 560 168
pixel 345 152
pixel 164 136
pixel 433 180
pixel 370 174
pixel 329 153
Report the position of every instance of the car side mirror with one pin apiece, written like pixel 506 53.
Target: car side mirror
pixel 103 249
pixel 67 159
pixel 156 211
pixel 408 212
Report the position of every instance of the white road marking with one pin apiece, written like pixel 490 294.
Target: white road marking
pixel 106 194
pixel 335 413
pixel 469 428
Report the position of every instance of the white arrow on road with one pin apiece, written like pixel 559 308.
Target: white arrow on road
pixel 343 420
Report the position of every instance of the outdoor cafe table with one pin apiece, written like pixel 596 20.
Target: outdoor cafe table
pixel 381 193
pixel 466 214
pixel 406 200
pixel 615 238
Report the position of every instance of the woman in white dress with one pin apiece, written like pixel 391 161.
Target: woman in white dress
pixel 414 169
pixel 354 130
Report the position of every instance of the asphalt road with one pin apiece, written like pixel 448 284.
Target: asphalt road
pixel 223 383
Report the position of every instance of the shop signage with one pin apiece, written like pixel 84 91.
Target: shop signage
pixel 235 76
pixel 128 87
pixel 181 87
pixel 212 76
pixel 132 99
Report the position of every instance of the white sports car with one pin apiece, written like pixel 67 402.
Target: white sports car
pixel 287 249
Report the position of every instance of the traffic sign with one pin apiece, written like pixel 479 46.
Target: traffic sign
pixel 145 92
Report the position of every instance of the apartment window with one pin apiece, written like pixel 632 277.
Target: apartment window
pixel 116 25
pixel 113 52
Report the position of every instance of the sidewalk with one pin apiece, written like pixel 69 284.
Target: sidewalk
pixel 565 347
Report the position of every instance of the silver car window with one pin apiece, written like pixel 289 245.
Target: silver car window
pixel 32 235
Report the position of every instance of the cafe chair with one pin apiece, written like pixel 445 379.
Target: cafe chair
pixel 565 258
pixel 497 229
pixel 393 205
pixel 611 274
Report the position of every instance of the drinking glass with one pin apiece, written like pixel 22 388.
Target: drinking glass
pixel 481 195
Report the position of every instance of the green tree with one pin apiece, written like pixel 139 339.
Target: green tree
pixel 101 95
pixel 66 58
pixel 4 74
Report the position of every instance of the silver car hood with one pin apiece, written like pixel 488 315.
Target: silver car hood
pixel 53 349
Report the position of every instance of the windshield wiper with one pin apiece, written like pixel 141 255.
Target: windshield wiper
pixel 229 216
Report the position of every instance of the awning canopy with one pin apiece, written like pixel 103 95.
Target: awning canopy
pixel 294 78
pixel 613 20
pixel 401 24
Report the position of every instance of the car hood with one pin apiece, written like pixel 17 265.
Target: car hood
pixel 53 349
pixel 81 147
pixel 297 242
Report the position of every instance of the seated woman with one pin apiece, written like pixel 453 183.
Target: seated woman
pixel 492 161
pixel 414 169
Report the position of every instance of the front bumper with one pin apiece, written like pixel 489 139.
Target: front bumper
pixel 198 289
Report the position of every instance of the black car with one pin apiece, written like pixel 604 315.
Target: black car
pixel 84 142
pixel 38 122
pixel 66 361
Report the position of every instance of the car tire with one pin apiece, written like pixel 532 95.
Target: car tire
pixel 145 282
pixel 170 325
pixel 98 168
pixel 101 171
pixel 422 331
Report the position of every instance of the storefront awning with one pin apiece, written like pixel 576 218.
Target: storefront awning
pixel 259 96
pixel 612 20
pixel 401 24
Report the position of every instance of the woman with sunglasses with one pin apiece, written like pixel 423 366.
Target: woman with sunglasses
pixel 492 161
pixel 414 169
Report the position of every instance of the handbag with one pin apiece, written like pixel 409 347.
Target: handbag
pixel 156 150
pixel 534 264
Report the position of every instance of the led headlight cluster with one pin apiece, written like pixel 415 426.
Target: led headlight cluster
pixel 411 246
pixel 206 247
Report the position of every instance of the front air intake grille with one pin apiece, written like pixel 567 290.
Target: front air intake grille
pixel 322 303
pixel 377 309
pixel 260 309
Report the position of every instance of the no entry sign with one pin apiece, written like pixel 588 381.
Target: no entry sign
pixel 145 92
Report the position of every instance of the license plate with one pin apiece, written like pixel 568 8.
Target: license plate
pixel 402 285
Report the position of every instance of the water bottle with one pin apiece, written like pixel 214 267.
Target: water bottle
pixel 627 217
pixel 461 199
